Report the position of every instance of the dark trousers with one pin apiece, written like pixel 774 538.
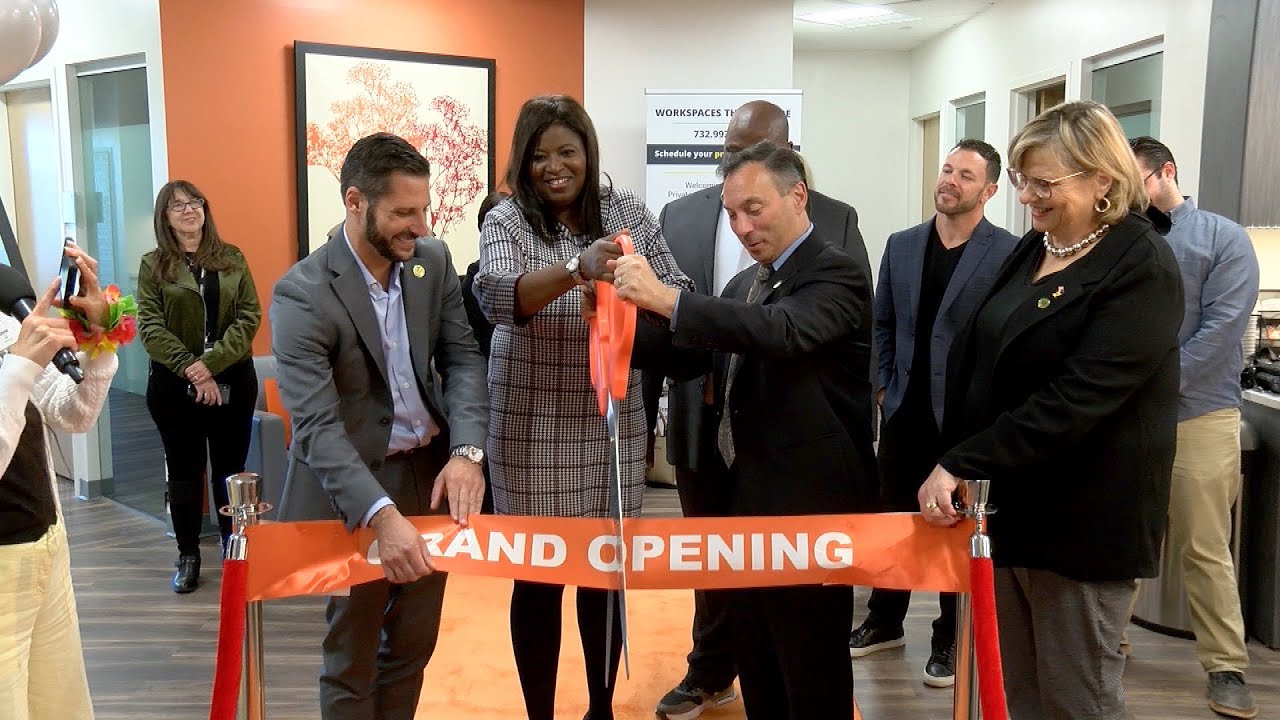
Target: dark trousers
pixel 535 637
pixel 196 436
pixel 910 446
pixel 706 493
pixel 792 651
pixel 381 636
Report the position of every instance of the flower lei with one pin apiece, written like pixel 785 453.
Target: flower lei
pixel 122 324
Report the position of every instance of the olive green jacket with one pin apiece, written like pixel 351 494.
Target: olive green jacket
pixel 171 316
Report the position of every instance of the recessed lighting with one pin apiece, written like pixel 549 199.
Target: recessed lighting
pixel 855 16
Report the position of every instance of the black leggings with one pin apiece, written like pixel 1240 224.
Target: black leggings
pixel 535 637
pixel 195 435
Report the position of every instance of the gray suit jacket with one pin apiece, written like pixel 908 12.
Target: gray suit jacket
pixel 898 300
pixel 333 380
pixel 689 226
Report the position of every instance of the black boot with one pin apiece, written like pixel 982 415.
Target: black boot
pixel 188 575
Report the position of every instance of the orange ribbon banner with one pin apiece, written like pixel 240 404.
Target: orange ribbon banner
pixel 893 550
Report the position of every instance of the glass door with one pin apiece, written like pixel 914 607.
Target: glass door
pixel 117 193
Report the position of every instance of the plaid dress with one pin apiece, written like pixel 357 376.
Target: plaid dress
pixel 548 448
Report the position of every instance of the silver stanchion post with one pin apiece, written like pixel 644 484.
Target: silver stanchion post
pixel 243 508
pixel 965 706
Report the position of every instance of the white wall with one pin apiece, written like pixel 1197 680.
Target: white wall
pixel 674 44
pixel 856 133
pixel 1020 42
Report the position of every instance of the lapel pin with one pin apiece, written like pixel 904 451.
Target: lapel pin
pixel 418 272
pixel 1042 303
pixel 775 285
pixel 1058 293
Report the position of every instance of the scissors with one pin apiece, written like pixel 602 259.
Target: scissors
pixel 612 336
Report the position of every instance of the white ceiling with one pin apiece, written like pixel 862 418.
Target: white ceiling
pixel 932 17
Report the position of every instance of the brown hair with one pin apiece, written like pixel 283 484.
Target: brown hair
pixel 1085 134
pixel 210 255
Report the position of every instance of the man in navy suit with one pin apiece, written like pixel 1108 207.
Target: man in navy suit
pixel 932 276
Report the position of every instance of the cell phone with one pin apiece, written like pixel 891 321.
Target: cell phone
pixel 223 390
pixel 68 274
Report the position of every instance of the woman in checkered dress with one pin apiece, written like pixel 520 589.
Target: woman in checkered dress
pixel 548 449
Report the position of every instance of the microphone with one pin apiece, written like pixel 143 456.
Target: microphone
pixel 19 300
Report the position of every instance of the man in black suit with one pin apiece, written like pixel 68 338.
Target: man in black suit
pixel 697 229
pixel 795 431
pixel 932 276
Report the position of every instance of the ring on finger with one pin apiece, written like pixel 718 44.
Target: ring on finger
pixel 931 506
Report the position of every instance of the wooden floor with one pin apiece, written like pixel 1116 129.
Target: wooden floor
pixel 137 456
pixel 150 652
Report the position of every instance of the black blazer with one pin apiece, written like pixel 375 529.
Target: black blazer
pixel 1078 432
pixel 689 225
pixel 801 403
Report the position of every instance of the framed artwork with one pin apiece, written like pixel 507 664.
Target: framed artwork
pixel 442 104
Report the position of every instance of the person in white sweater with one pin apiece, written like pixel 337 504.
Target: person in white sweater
pixel 42 674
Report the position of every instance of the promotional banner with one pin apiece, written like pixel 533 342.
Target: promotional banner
pixel 684 135
pixel 893 550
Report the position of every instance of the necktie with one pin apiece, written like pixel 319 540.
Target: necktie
pixel 724 434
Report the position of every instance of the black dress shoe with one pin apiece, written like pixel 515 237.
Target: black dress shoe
pixel 188 575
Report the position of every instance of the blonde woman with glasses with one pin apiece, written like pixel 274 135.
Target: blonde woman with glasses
pixel 1063 391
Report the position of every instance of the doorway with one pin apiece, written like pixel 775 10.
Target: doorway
pixel 33 149
pixel 114 179
pixel 1029 102
pixel 931 132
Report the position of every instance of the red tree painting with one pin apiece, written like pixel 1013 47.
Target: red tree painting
pixel 457 148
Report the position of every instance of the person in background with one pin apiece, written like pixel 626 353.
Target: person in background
pixel 385 385
pixel 42 671
pixel 198 312
pixel 480 326
pixel 794 421
pixel 1062 391
pixel 1220 282
pixel 703 243
pixel 548 447
pixel 931 278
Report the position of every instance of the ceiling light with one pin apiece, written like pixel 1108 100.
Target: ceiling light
pixel 855 16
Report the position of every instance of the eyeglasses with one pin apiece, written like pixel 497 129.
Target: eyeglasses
pixel 193 203
pixel 1041 187
pixel 1148 177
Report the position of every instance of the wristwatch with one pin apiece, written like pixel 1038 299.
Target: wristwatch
pixel 574 266
pixel 468 452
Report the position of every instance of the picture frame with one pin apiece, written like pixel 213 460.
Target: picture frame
pixel 442 104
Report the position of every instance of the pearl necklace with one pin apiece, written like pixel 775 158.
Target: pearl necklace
pixel 1053 249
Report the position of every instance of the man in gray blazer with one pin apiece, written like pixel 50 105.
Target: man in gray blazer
pixel 696 228
pixel 932 276
pixel 385 385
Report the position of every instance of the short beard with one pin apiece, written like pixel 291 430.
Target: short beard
pixel 376 239
pixel 961 206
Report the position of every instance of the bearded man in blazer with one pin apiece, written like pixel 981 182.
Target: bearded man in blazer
pixel 793 428
pixel 697 229
pixel 932 276
pixel 361 329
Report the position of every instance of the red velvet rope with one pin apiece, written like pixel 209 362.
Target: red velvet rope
pixel 226 674
pixel 987 640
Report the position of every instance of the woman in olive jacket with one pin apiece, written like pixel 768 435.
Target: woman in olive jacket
pixel 197 313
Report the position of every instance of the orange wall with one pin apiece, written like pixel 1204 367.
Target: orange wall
pixel 228 83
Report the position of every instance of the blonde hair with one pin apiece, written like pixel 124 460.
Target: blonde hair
pixel 1085 134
